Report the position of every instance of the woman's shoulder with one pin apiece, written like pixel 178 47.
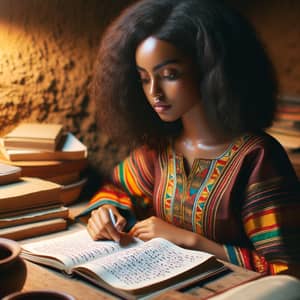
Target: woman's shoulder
pixel 264 151
pixel 143 155
pixel 262 141
pixel 144 151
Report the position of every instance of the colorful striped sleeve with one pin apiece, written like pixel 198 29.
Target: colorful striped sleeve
pixel 135 173
pixel 271 222
pixel 131 188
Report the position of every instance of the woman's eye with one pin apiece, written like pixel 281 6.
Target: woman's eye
pixel 144 80
pixel 171 75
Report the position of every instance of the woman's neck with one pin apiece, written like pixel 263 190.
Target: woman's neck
pixel 198 131
pixel 198 138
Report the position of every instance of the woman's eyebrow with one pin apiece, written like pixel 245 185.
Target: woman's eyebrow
pixel 160 65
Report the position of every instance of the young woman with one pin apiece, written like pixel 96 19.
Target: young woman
pixel 189 86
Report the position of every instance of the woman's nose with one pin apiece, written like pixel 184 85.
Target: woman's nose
pixel 154 88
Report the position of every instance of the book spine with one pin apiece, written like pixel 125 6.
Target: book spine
pixel 37 145
pixel 46 171
pixel 8 222
pixel 34 200
pixel 39 229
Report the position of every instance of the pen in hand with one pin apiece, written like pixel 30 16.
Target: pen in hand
pixel 112 217
pixel 125 239
pixel 113 220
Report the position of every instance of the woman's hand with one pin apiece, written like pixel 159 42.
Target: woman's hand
pixel 156 227
pixel 100 225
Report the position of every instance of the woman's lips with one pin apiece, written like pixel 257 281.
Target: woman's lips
pixel 161 107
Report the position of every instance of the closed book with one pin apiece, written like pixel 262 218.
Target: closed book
pixel 291 131
pixel 20 232
pixel 34 136
pixel 31 215
pixel 290 142
pixel 65 179
pixel 28 192
pixel 69 149
pixel 9 173
pixel 295 116
pixel 47 168
pixel 70 192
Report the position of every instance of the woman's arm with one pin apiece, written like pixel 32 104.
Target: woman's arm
pixel 155 227
pixel 249 258
pixel 129 193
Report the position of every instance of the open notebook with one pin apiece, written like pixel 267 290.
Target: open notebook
pixel 132 271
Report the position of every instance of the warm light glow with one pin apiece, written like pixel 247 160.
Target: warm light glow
pixel 12 38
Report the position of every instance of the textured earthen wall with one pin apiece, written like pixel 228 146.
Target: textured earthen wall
pixel 47 51
pixel 278 23
pixel 48 47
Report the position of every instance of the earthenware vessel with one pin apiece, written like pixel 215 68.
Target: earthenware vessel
pixel 12 267
pixel 39 295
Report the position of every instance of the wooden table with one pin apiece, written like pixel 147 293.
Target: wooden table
pixel 39 277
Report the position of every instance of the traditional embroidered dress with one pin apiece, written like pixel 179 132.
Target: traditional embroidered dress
pixel 247 199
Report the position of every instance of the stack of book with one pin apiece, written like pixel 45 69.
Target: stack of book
pixel 286 128
pixel 47 152
pixel 29 206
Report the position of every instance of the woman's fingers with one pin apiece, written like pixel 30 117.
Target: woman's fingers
pixel 146 236
pixel 101 224
pixel 108 225
pixel 95 219
pixel 142 232
pixel 140 228
pixel 120 222
pixel 94 232
pixel 96 228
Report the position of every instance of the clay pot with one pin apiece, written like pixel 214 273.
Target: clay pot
pixel 39 295
pixel 12 267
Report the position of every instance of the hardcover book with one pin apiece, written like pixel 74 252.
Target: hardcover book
pixel 29 230
pixel 34 136
pixel 28 192
pixel 69 149
pixel 47 168
pixel 9 173
pixel 71 192
pixel 33 215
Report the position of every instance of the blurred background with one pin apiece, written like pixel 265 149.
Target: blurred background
pixel 47 51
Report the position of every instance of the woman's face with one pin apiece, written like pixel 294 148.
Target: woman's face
pixel 168 78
